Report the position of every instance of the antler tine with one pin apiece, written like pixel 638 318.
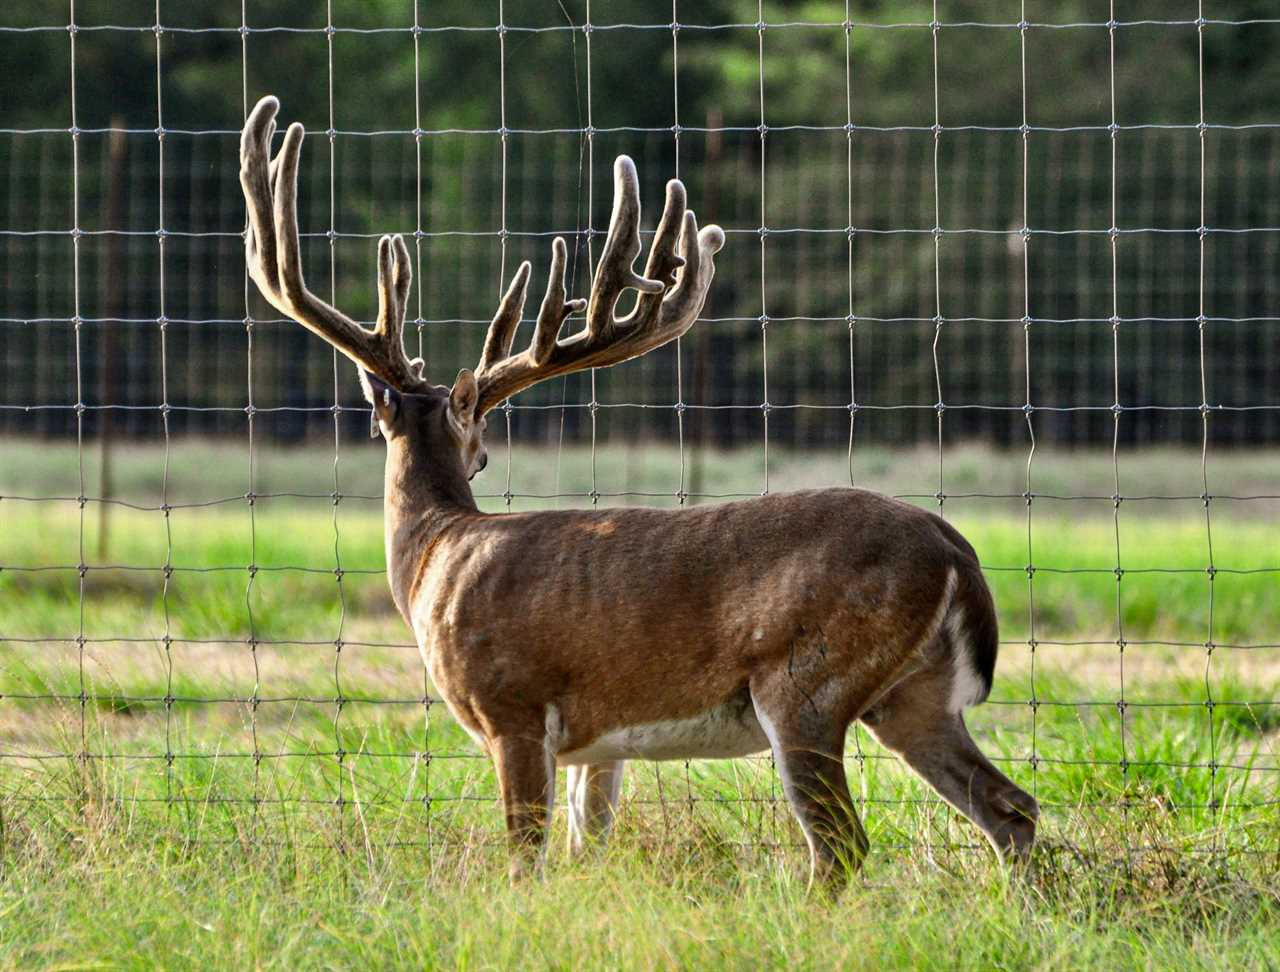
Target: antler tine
pixel 683 303
pixel 664 262
pixel 502 331
pixel 257 180
pixel 554 310
pixel 615 271
pixel 677 276
pixel 551 316
pixel 663 259
pixel 395 277
pixel 272 253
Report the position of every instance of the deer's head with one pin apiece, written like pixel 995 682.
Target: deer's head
pixel 439 421
pixel 421 417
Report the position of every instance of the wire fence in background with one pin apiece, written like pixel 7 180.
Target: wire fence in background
pixel 1029 282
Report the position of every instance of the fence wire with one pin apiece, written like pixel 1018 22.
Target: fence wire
pixel 212 709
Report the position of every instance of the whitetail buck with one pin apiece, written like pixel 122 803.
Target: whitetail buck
pixel 584 638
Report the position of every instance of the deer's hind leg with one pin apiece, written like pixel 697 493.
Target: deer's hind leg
pixel 807 739
pixel 915 721
pixel 593 802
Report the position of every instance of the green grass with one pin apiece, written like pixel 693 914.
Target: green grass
pixel 366 832
pixel 636 908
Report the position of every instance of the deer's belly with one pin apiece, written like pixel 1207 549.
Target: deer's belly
pixel 724 732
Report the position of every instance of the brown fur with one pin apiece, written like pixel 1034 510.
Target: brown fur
pixel 583 613
pixel 590 636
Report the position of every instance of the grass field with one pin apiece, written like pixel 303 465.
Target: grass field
pixel 269 784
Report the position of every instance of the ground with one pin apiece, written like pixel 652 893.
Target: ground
pixel 268 783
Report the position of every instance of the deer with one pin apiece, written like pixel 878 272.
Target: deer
pixel 584 638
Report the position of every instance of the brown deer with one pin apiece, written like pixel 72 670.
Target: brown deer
pixel 583 638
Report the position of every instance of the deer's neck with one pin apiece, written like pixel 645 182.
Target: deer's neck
pixel 422 497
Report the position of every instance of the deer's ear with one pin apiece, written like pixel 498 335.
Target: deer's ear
pixel 463 397
pixel 384 399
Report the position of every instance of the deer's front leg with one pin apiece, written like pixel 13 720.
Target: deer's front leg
pixel 526 781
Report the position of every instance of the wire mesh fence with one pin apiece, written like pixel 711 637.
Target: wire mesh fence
pixel 962 239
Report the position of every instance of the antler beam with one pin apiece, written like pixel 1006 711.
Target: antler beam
pixel 671 294
pixel 272 254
